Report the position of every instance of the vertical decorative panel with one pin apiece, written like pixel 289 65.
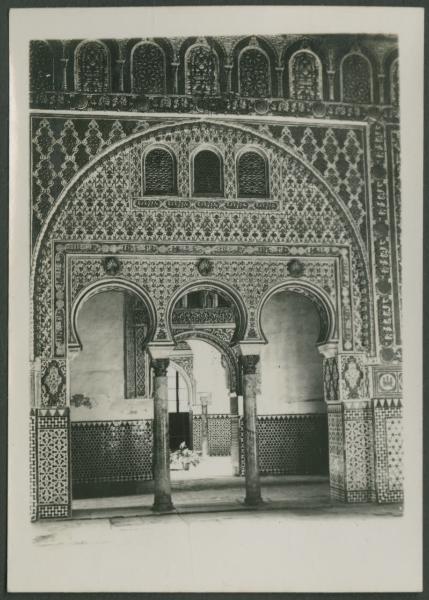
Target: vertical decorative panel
pixel 136 327
pixel 53 380
pixel 53 456
pixel 201 71
pixel 336 451
pixel 388 449
pixel 219 435
pixel 356 79
pixel 92 69
pixel 254 69
pixel 359 452
pixel 159 172
pixel 305 76
pixel 394 82
pixel 252 175
pixel 148 69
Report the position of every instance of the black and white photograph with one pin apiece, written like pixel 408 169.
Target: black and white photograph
pixel 213 220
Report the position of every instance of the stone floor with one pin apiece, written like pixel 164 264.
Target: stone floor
pixel 211 541
pixel 217 492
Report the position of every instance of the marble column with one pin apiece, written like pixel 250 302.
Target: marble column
pixel 204 427
pixel 253 486
pixel 235 433
pixel 161 459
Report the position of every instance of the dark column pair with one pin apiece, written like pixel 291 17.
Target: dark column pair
pixel 162 500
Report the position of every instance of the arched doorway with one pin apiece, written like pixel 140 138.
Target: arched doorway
pixel 204 319
pixel 292 420
pixel 110 395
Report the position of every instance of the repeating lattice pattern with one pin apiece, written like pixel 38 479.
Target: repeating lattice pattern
pixel 252 176
pixel 53 491
pixel 219 434
pixel 388 449
pixel 290 444
pixel 99 209
pixel 60 148
pixel 306 76
pixel 359 450
pixel 201 70
pixel 148 69
pixel 92 68
pixel 33 466
pixel 394 460
pixel 159 173
pixel 254 73
pixel 111 451
pixel 196 432
pixel 356 79
pixel 338 155
pixel 219 427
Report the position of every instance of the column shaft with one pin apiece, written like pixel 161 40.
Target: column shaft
pixel 253 486
pixel 161 461
pixel 235 434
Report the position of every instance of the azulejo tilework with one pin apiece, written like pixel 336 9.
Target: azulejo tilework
pixel 51 448
pixel 301 139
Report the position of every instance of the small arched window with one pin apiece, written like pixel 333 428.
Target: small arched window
pixel 356 79
pixel 208 174
pixel 254 73
pixel 92 68
pixel 201 71
pixel 252 175
pixel 148 69
pixel 159 173
pixel 305 76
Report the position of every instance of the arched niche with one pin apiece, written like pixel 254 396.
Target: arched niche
pixel 356 78
pixel 111 284
pixel 201 70
pixel 207 171
pixel 159 171
pixel 252 173
pixel 305 76
pixel 234 299
pixel 148 68
pixel 92 67
pixel 327 312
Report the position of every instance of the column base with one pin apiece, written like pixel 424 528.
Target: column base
pixel 163 505
pixel 253 500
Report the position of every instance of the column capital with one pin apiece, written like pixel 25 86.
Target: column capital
pixel 160 350
pixel 160 366
pixel 249 363
pixel 247 348
pixel 328 350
